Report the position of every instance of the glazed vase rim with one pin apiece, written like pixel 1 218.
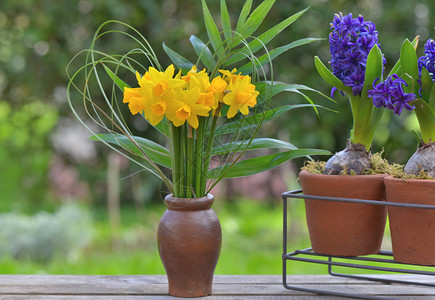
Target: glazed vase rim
pixel 189 204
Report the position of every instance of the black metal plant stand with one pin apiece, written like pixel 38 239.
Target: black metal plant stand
pixel 358 262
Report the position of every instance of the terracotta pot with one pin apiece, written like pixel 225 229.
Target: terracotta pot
pixel 189 239
pixel 412 229
pixel 344 229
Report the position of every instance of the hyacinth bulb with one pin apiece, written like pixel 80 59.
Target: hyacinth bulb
pixel 422 160
pixel 355 159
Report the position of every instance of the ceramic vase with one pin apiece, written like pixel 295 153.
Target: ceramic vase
pixel 189 239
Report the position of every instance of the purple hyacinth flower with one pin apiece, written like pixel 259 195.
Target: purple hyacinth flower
pixel 350 42
pixel 390 94
pixel 428 60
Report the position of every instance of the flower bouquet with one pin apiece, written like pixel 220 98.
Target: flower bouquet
pixel 209 110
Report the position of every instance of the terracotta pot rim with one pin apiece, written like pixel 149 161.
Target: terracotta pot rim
pixel 189 204
pixel 343 176
pixel 391 178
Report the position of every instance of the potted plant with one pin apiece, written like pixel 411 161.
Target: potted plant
pixel 337 228
pixel 412 87
pixel 205 110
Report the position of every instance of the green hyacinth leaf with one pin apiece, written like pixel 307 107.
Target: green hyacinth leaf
pixel 409 67
pixel 431 100
pixel 396 69
pixel 374 66
pixel 329 77
pixel 426 120
pixel 426 84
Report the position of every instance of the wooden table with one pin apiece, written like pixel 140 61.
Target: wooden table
pixel 254 287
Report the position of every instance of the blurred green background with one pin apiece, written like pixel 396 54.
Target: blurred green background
pixel 70 206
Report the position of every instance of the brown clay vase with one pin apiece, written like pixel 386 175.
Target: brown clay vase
pixel 189 238
pixel 412 229
pixel 344 229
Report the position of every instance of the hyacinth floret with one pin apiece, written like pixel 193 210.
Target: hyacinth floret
pixel 350 42
pixel 428 60
pixel 390 94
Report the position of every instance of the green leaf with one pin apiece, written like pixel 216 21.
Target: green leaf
pixel 426 84
pixel 255 144
pixel 329 77
pixel 266 58
pixel 265 38
pixel 162 127
pixel 212 31
pixel 203 52
pixel 121 84
pixel 279 87
pixel 374 66
pixel 256 18
pixel 244 15
pixel 431 100
pixel 426 120
pixel 155 152
pixel 248 122
pixel 396 69
pixel 226 23
pixel 179 61
pixel 409 66
pixel 259 164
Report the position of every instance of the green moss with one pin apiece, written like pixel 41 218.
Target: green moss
pixel 379 166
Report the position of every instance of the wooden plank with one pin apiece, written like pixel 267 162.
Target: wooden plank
pixel 159 297
pixel 225 287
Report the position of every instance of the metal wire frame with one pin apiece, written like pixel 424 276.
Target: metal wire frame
pixel 383 257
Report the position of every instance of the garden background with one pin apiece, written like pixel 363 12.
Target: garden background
pixel 70 206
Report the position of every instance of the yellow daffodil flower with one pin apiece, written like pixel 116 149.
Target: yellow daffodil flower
pixel 160 82
pixel 218 87
pixel 133 97
pixel 187 108
pixel 242 95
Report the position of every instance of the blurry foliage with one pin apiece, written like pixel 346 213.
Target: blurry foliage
pixel 45 236
pixel 24 155
pixel 38 38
